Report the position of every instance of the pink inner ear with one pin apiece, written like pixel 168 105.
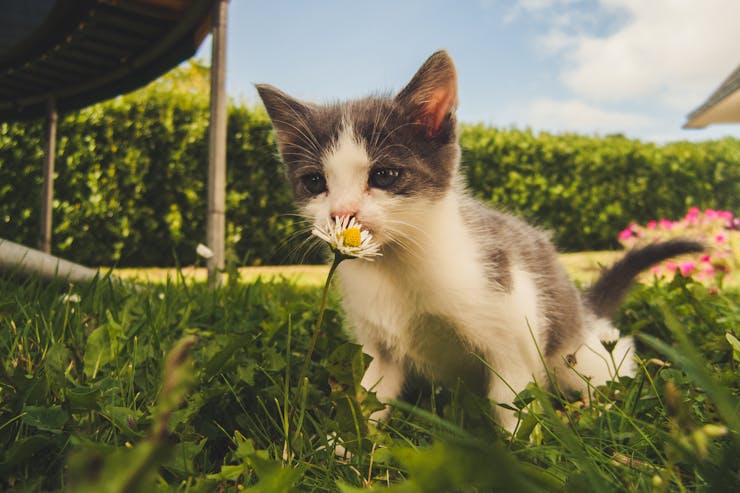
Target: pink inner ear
pixel 440 103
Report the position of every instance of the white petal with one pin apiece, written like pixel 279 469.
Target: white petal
pixel 333 233
pixel 203 251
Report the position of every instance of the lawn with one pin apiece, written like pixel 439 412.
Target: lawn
pixel 583 267
pixel 173 386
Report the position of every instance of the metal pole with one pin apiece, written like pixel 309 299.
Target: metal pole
pixel 47 191
pixel 19 259
pixel 215 223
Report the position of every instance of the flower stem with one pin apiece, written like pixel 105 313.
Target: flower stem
pixel 317 328
pixel 300 396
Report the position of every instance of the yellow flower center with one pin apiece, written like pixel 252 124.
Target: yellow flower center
pixel 351 237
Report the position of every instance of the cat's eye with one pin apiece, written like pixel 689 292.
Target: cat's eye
pixel 384 177
pixel 314 183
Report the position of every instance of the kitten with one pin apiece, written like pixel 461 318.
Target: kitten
pixel 461 291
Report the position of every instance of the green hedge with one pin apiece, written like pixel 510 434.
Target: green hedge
pixel 131 177
pixel 586 189
pixel 131 180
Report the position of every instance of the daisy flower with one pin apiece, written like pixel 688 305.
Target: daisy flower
pixel 71 298
pixel 204 251
pixel 347 238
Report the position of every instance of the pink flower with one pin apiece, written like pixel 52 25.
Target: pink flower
pixel 665 224
pixel 626 233
pixel 726 215
pixel 693 215
pixel 728 218
pixel 712 227
pixel 687 267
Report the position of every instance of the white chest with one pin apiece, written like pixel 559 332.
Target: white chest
pixel 437 308
pixel 437 320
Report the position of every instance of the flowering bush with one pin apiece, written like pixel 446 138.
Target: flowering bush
pixel 718 230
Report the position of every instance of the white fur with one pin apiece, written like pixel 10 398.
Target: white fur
pixel 428 302
pixel 346 168
pixel 442 281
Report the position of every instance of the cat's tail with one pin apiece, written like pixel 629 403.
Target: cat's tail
pixel 605 296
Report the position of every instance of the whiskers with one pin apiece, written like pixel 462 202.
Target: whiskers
pixel 409 237
pixel 397 235
pixel 303 245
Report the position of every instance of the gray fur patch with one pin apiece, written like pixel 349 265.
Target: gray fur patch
pixel 506 240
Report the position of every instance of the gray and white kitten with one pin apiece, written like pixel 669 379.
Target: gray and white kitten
pixel 458 283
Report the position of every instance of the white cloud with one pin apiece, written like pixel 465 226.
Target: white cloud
pixel 673 51
pixel 531 5
pixel 577 116
pixel 523 8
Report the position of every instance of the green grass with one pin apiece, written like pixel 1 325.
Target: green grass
pixel 90 401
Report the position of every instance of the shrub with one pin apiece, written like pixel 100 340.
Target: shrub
pixel 131 179
pixel 585 189
pixel 716 230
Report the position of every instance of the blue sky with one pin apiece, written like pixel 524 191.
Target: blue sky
pixel 636 67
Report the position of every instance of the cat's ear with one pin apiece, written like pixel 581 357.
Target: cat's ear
pixel 431 96
pixel 288 114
